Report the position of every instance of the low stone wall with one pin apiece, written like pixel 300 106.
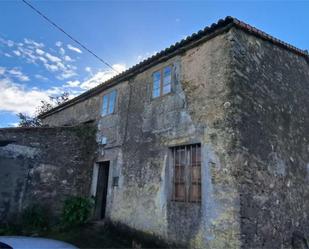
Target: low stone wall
pixel 44 165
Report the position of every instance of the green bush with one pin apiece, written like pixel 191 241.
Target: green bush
pixel 76 211
pixel 35 217
pixel 9 229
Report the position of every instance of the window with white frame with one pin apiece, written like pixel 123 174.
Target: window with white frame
pixel 162 82
pixel 109 102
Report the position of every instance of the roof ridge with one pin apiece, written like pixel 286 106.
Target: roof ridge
pixel 251 29
pixel 227 22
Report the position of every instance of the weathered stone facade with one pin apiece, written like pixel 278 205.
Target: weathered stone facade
pixel 243 97
pixel 143 129
pixel 271 89
pixel 44 166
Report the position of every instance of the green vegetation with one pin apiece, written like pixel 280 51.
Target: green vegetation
pixel 76 211
pixel 35 218
pixel 35 121
pixel 75 228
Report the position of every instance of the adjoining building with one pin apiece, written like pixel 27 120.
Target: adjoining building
pixel 205 143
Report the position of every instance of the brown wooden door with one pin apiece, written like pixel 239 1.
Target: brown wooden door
pixel 102 185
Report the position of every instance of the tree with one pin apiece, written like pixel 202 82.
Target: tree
pixel 27 121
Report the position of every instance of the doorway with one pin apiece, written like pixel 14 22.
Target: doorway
pixel 101 193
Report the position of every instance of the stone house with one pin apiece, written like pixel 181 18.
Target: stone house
pixel 205 143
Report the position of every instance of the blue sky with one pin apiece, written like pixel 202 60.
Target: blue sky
pixel 38 61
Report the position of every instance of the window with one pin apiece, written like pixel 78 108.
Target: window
pixel 115 181
pixel 187 173
pixel 162 82
pixel 109 103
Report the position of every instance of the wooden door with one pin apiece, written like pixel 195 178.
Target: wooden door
pixel 101 193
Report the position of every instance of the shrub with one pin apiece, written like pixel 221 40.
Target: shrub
pixel 76 211
pixel 35 217
pixel 9 229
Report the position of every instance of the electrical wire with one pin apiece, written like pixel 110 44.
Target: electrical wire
pixel 68 35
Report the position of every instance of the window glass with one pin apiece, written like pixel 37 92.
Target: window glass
pixel 156 92
pixel 166 89
pixel 109 101
pixel 112 99
pixel 105 103
pixel 156 84
pixel 162 81
pixel 167 76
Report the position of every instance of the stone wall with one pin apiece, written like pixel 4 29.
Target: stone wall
pixel 271 105
pixel 86 111
pixel 44 166
pixel 139 137
pixel 246 101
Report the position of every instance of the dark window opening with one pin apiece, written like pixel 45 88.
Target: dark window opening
pixel 115 181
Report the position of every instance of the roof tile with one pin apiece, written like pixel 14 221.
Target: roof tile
pixel 178 46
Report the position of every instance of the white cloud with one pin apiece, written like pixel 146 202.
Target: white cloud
pixel 14 72
pixel 33 52
pixel 58 43
pixel 7 55
pixel 33 43
pixel 102 76
pixel 15 98
pixel 42 59
pixel 52 58
pixel 18 74
pixel 88 69
pixel 142 57
pixel 39 51
pixel 13 124
pixel 8 43
pixel 74 48
pixel 67 58
pixel 17 52
pixel 40 77
pixel 65 75
pixel 50 67
pixel 2 70
pixel 71 83
pixel 62 51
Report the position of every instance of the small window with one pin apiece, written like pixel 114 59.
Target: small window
pixel 115 181
pixel 109 101
pixel 162 82
pixel 187 173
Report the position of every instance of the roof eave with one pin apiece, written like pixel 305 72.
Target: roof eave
pixel 195 39
pixel 176 49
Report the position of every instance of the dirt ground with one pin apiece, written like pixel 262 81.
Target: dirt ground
pixel 102 236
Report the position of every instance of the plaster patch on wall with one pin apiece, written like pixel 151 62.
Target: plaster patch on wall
pixel 15 150
pixel 94 181
pixel 276 165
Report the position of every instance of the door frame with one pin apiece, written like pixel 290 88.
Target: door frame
pixel 101 189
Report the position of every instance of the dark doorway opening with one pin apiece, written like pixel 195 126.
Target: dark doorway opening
pixel 101 193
